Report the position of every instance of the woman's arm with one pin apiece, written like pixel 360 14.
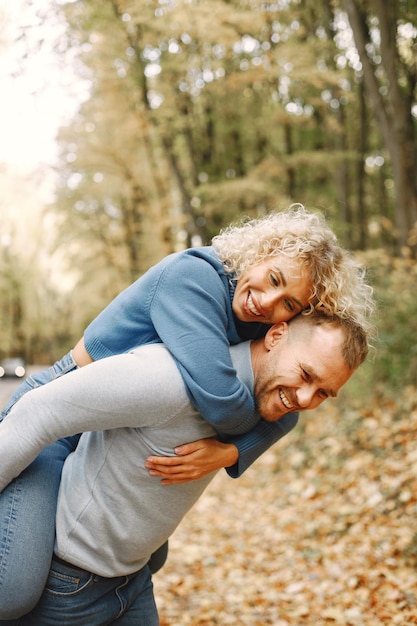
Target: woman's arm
pixel 193 321
pixel 254 443
pixel 193 461
pixel 184 302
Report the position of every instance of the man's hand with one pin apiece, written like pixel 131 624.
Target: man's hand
pixel 193 461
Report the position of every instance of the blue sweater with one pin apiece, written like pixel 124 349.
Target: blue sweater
pixel 185 301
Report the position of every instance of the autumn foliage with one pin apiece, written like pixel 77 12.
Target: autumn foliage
pixel 320 531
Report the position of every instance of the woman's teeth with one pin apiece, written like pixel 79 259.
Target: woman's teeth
pixel 251 306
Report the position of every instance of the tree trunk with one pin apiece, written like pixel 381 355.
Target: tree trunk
pixel 342 179
pixel 363 127
pixel 393 111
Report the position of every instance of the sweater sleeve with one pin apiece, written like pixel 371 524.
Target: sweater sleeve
pixel 254 443
pixel 142 389
pixel 191 312
pixel 184 302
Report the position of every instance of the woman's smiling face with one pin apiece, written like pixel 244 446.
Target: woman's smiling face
pixel 274 290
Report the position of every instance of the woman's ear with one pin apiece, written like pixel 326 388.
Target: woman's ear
pixel 275 334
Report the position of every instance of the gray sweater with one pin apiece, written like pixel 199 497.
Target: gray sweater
pixel 111 514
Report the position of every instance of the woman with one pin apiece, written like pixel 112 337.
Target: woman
pixel 197 302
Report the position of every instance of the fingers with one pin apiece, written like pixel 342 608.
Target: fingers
pixel 165 461
pixel 156 470
pixel 173 473
pixel 158 466
pixel 189 448
pixel 192 461
pixel 171 477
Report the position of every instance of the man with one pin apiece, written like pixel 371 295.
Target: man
pixel 111 513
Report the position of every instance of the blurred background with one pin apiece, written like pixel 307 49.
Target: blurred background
pixel 133 128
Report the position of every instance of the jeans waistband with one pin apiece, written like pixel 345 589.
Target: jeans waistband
pixel 75 569
pixel 57 559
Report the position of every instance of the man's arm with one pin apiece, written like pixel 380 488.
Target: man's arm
pixel 139 389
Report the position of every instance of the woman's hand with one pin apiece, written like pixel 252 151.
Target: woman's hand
pixel 193 461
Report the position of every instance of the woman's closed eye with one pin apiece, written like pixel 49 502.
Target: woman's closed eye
pixel 275 280
pixel 289 305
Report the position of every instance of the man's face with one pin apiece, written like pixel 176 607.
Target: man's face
pixel 298 370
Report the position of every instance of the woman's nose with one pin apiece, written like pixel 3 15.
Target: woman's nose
pixel 271 300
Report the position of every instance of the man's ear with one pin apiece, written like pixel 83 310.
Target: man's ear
pixel 275 334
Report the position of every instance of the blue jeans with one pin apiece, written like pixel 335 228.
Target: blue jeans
pixel 63 366
pixel 27 513
pixel 75 597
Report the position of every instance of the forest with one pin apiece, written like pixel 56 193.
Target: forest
pixel 238 108
pixel 196 114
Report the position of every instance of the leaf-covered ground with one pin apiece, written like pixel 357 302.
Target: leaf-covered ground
pixel 320 531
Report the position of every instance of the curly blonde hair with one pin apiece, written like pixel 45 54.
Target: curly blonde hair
pixel 339 286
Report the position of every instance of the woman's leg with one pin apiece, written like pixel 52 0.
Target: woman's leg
pixel 27 513
pixel 27 530
pixel 61 367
